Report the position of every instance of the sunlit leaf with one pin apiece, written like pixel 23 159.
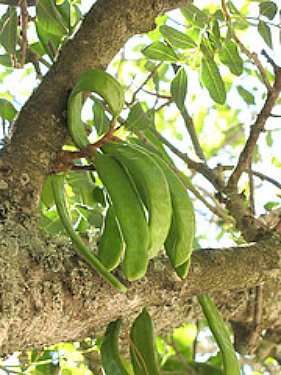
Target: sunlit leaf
pixel 210 78
pixel 270 205
pixel 50 18
pixel 246 95
pixel 231 58
pixel 101 122
pixel 50 42
pixel 142 348
pixel 8 30
pixel 268 9
pixel 179 88
pixel 269 139
pixel 137 118
pixel 7 110
pixel 177 38
pixel 160 51
pixel 265 33
pixel 216 29
pixel 194 15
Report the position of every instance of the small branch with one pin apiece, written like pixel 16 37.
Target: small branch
pixel 197 166
pixel 168 102
pixel 151 74
pixel 251 55
pixel 189 124
pixel 159 96
pixel 267 178
pixel 251 188
pixel 24 23
pixel 270 60
pixel 215 210
pixel 256 129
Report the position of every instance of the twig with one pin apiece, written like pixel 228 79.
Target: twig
pixel 197 166
pixel 218 212
pixel 251 188
pixel 24 23
pixel 267 178
pixel 168 102
pixel 270 60
pixel 189 124
pixel 151 74
pixel 256 129
pixel 221 168
pixel 251 55
pixel 159 96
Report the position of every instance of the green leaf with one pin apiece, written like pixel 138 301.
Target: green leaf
pixel 83 187
pixel 194 15
pixel 270 205
pixel 265 33
pixel 49 18
pixel 8 30
pixel 45 368
pixel 47 197
pixel 205 368
pixel 101 122
pixel 231 58
pixel 219 15
pixel 246 95
pixel 233 8
pixel 137 118
pixel 7 110
pixel 268 9
pixel 50 42
pixel 110 356
pixel 179 88
pixel 220 333
pixel 65 12
pixel 5 60
pixel 142 348
pixel 269 139
pixel 216 30
pixel 210 78
pixel 177 38
pixel 160 51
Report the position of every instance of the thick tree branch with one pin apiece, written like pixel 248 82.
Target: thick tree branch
pixel 48 294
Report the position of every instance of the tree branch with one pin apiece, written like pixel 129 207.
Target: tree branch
pixel 256 129
pixel 48 294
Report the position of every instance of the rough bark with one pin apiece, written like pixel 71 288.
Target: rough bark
pixel 47 294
